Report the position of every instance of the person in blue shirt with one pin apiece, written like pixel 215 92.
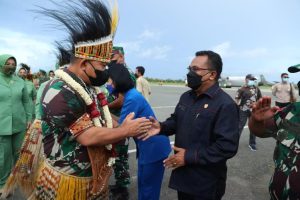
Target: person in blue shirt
pixel 150 153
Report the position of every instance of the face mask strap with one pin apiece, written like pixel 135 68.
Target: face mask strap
pixel 205 75
pixel 92 67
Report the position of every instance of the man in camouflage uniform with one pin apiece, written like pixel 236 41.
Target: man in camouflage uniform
pixel 77 161
pixel 121 167
pixel 283 125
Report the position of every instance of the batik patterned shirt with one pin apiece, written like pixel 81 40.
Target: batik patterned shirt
pixel 61 107
pixel 285 183
pixel 247 96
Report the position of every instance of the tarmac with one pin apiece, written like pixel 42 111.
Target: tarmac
pixel 248 174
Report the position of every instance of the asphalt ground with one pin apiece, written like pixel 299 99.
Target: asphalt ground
pixel 248 172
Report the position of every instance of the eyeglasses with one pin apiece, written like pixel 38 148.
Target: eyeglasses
pixel 195 68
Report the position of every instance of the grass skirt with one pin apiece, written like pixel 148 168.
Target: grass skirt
pixel 52 184
pixel 25 171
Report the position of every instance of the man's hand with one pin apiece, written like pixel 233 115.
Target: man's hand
pixel 176 160
pixel 262 110
pixel 135 127
pixel 154 130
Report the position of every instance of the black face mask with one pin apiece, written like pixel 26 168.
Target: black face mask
pixel 194 80
pixel 101 77
pixel 136 76
pixel 112 62
pixel 8 70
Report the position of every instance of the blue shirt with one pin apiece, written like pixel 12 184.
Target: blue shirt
pixel 155 148
pixel 207 127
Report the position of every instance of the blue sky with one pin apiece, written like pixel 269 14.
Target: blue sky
pixel 252 36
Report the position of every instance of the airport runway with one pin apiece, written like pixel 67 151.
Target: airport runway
pixel 248 172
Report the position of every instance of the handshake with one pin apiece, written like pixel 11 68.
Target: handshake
pixel 142 128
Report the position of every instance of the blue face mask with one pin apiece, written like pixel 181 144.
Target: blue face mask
pixel 251 83
pixel 110 88
pixel 285 79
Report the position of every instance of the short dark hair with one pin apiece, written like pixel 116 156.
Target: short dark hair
pixel 51 71
pixel 121 77
pixel 25 66
pixel 283 74
pixel 214 59
pixel 141 69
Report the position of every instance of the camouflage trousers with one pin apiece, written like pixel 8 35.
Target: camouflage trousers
pixel 121 166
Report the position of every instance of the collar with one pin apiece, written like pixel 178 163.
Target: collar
pixel 210 92
pixel 213 90
pixel 75 77
pixel 126 94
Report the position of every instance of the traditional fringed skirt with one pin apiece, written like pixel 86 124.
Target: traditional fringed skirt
pixel 24 172
pixel 38 180
pixel 52 184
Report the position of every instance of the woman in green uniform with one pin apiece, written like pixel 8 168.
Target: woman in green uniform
pixel 15 115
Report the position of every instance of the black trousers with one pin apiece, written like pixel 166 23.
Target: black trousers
pixel 244 116
pixel 186 196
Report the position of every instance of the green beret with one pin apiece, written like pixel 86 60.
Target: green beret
pixel 118 50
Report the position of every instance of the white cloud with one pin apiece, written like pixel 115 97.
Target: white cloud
pixel 150 34
pixel 32 50
pixel 157 52
pixel 131 46
pixel 225 49
pixel 140 47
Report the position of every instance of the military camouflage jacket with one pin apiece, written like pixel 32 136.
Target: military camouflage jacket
pixel 285 183
pixel 60 108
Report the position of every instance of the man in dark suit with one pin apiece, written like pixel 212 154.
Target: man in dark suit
pixel 205 125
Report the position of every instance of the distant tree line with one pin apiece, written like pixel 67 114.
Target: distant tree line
pixel 157 80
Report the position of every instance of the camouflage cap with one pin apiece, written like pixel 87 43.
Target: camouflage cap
pixel 118 50
pixel 294 68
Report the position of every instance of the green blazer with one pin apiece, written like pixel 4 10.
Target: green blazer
pixel 15 109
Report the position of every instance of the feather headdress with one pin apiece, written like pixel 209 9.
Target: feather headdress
pixel 91 26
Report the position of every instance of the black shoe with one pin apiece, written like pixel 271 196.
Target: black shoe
pixel 118 193
pixel 252 147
